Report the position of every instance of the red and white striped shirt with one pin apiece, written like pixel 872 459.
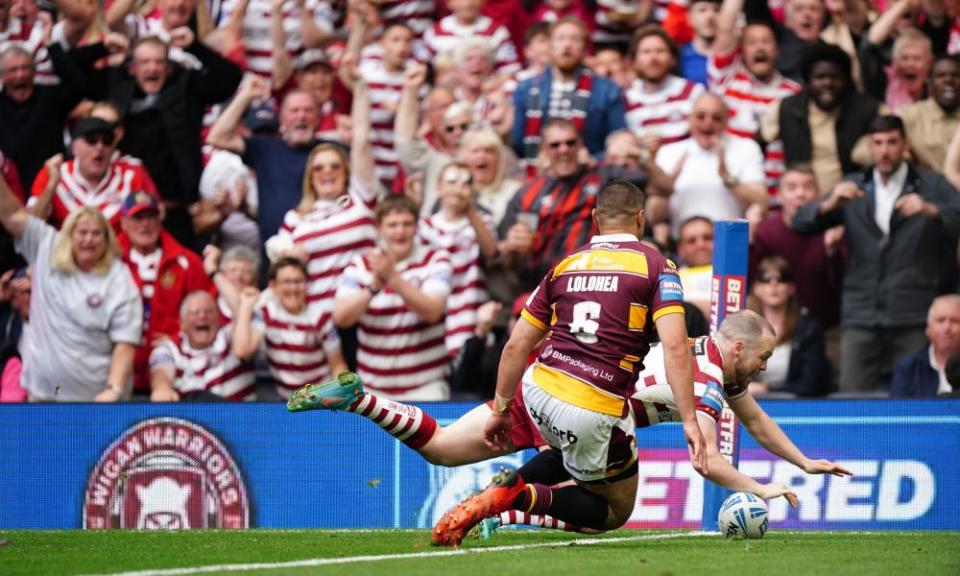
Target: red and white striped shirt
pixel 397 352
pixel 297 346
pixel 665 112
pixel 417 14
pixel 122 178
pixel 256 29
pixel 384 88
pixel 468 291
pixel 333 234
pixel 748 100
pixel 214 368
pixel 446 34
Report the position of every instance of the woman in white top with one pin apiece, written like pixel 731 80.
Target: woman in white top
pixel 85 310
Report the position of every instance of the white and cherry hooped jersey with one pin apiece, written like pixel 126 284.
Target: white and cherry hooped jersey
pixel 397 352
pixel 123 177
pixel 468 290
pixel 214 369
pixel 653 401
pixel 332 234
pixel 297 346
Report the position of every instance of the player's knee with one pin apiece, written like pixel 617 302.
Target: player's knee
pixel 617 516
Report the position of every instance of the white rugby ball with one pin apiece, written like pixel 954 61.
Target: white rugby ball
pixel 743 515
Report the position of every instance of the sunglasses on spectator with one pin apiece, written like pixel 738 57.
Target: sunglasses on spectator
pixel 451 128
pixel 571 143
pixel 94 139
pixel 321 167
pixel 770 278
pixel 457 177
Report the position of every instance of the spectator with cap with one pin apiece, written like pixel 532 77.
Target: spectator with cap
pixel 931 122
pixel 923 374
pixel 163 105
pixel 95 177
pixel 83 302
pixel 164 271
pixel 313 72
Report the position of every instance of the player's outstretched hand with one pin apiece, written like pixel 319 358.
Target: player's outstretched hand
pixel 777 489
pixel 826 467
pixel 496 432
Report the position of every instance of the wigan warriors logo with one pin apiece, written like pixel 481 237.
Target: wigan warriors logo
pixel 166 474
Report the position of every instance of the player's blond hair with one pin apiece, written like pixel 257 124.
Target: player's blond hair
pixel 62 254
pixel 745 326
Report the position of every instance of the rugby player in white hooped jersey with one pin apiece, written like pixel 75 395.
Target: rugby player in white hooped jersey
pixel 462 442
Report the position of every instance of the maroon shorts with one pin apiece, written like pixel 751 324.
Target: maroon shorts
pixel 524 433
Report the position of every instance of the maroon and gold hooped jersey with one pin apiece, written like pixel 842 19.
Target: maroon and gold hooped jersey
pixel 594 306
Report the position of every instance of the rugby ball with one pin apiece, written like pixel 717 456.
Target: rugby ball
pixel 743 515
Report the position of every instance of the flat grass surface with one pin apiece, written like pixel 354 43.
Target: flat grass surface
pixel 509 553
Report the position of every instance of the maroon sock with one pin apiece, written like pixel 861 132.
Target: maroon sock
pixel 536 499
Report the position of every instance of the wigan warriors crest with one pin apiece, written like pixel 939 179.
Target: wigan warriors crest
pixel 166 474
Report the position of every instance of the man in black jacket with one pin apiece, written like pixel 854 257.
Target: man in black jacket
pixel 32 116
pixel 902 225
pixel 163 106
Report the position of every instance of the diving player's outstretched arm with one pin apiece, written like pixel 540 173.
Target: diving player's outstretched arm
pixel 724 474
pixel 769 435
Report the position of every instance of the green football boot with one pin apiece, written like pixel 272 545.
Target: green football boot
pixel 485 529
pixel 337 394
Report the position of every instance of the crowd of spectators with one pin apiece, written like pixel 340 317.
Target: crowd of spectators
pixel 227 199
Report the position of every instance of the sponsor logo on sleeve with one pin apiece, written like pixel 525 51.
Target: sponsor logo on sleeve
pixel 671 288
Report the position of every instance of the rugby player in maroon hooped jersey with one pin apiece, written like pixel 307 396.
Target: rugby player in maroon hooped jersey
pixel 596 303
pixel 593 309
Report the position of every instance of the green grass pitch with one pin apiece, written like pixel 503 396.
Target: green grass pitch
pixel 509 553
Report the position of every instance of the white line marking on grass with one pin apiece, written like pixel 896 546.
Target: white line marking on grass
pixel 380 557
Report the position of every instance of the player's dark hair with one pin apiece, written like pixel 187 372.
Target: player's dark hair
pixel 619 200
pixel 286 262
